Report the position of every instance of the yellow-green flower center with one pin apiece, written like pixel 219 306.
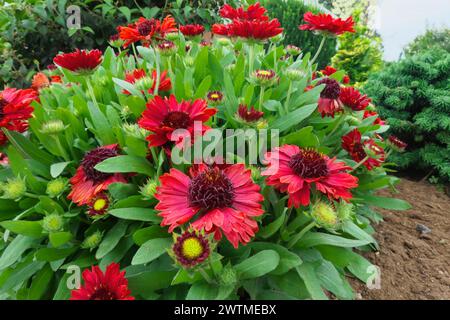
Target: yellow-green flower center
pixel 192 248
pixel 99 204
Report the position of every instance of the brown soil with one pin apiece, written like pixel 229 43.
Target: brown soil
pixel 413 265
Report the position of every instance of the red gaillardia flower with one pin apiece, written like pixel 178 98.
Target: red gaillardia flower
pixel 360 150
pixel 191 249
pixel 329 70
pixel 329 102
pixel 353 99
pixel 226 200
pixel 146 30
pixel 214 98
pixel 98 206
pixel 296 170
pixel 15 110
pixel 89 182
pixel 369 113
pixel 396 144
pixel 79 61
pixel 164 116
pixel 192 30
pixel 253 12
pixel 256 30
pixel 249 115
pixel 144 83
pixel 111 285
pixel 326 23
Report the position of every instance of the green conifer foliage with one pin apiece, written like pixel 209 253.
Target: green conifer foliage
pixel 413 95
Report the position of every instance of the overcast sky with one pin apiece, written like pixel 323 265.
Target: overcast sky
pixel 400 21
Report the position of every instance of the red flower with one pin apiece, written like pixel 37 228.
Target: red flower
pixel 225 199
pixel 329 102
pixel 191 249
pixel 249 29
pixel 79 61
pixel 145 30
pixel 89 182
pixel 326 23
pixel 249 115
pixel 346 79
pixel 149 84
pixel 353 99
pixel 328 71
pixel 111 285
pixel 164 116
pixel 360 150
pixel 253 12
pixel 296 170
pixel 368 114
pixel 192 30
pixel 396 144
pixel 4 161
pixel 40 81
pixel 15 109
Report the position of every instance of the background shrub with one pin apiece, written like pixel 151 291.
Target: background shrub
pixel 414 96
pixel 290 13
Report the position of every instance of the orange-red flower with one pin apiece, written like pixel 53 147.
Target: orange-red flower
pixel 326 23
pixel 297 170
pixel 79 61
pixel 378 120
pixel 226 201
pixel 192 30
pixel 142 82
pixel 249 29
pixel 15 110
pixel 111 285
pixel 329 102
pixel 164 116
pixel 89 182
pixel 146 30
pixel 360 150
pixel 253 12
pixel 39 81
pixel 353 99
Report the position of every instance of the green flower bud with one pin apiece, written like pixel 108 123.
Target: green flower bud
pixel 53 127
pixel 14 188
pixel 132 129
pixel 256 173
pixel 167 48
pixel 149 189
pixel 324 215
pixel 262 124
pixel 56 187
pixel 224 41
pixel 264 78
pixel 345 211
pixel 294 74
pixel 144 83
pixel 228 276
pixel 52 222
pixel 172 36
pixel 92 241
pixel 277 38
pixel 293 50
pixel 189 61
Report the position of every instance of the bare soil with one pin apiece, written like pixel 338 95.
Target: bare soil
pixel 414 265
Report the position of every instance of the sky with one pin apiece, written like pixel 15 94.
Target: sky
pixel 400 21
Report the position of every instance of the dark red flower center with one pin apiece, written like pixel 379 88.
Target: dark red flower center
pixel 102 293
pixel 92 158
pixel 146 27
pixel 211 189
pixel 332 88
pixel 309 164
pixel 177 120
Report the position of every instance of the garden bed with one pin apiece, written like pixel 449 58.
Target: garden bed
pixel 413 265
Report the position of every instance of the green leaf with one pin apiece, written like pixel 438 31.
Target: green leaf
pixel 53 254
pixel 272 227
pixel 307 273
pixel 293 118
pixel 203 88
pixel 139 214
pixel 151 250
pixel 202 291
pixel 125 164
pixel 15 250
pixel 128 86
pixel 333 281
pixel 59 238
pixel 40 283
pixel 27 228
pixel 143 235
pixel 312 239
pixel 352 229
pixel 111 239
pixel 386 202
pixel 258 265
pixel 57 168
pixel 288 259
pixel 27 147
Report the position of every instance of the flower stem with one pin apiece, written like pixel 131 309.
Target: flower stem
pixel 288 98
pixel 360 163
pixel 91 92
pixel 318 50
pixel 251 59
pixel 158 73
pixel 301 234
pixel 336 126
pixel 205 275
pixel 261 98
pixel 61 148
pixel 275 59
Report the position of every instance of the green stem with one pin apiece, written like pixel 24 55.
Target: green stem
pixel 388 153
pixel 91 92
pixel 318 50
pixel 288 98
pixel 61 148
pixel 30 195
pixel 135 54
pixel 205 275
pixel 300 234
pixel 158 73
pixel 251 59
pixel 360 163
pixel 261 98
pixel 336 126
pixel 275 58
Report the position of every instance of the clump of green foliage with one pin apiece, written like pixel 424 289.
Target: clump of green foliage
pixel 431 39
pixel 413 95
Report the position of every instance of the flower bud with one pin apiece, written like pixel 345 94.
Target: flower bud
pixel 293 50
pixel 189 61
pixel 167 48
pixel 53 127
pixel 52 222
pixel 172 36
pixel 144 83
pixel 149 189
pixel 277 38
pixel 345 211
pixel 324 215
pixel 264 78
pixel 294 74
pixel 92 241
pixel 56 187
pixel 228 276
pixel 132 129
pixel 13 188
pixel 191 249
pixel 223 41
pixel 214 98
